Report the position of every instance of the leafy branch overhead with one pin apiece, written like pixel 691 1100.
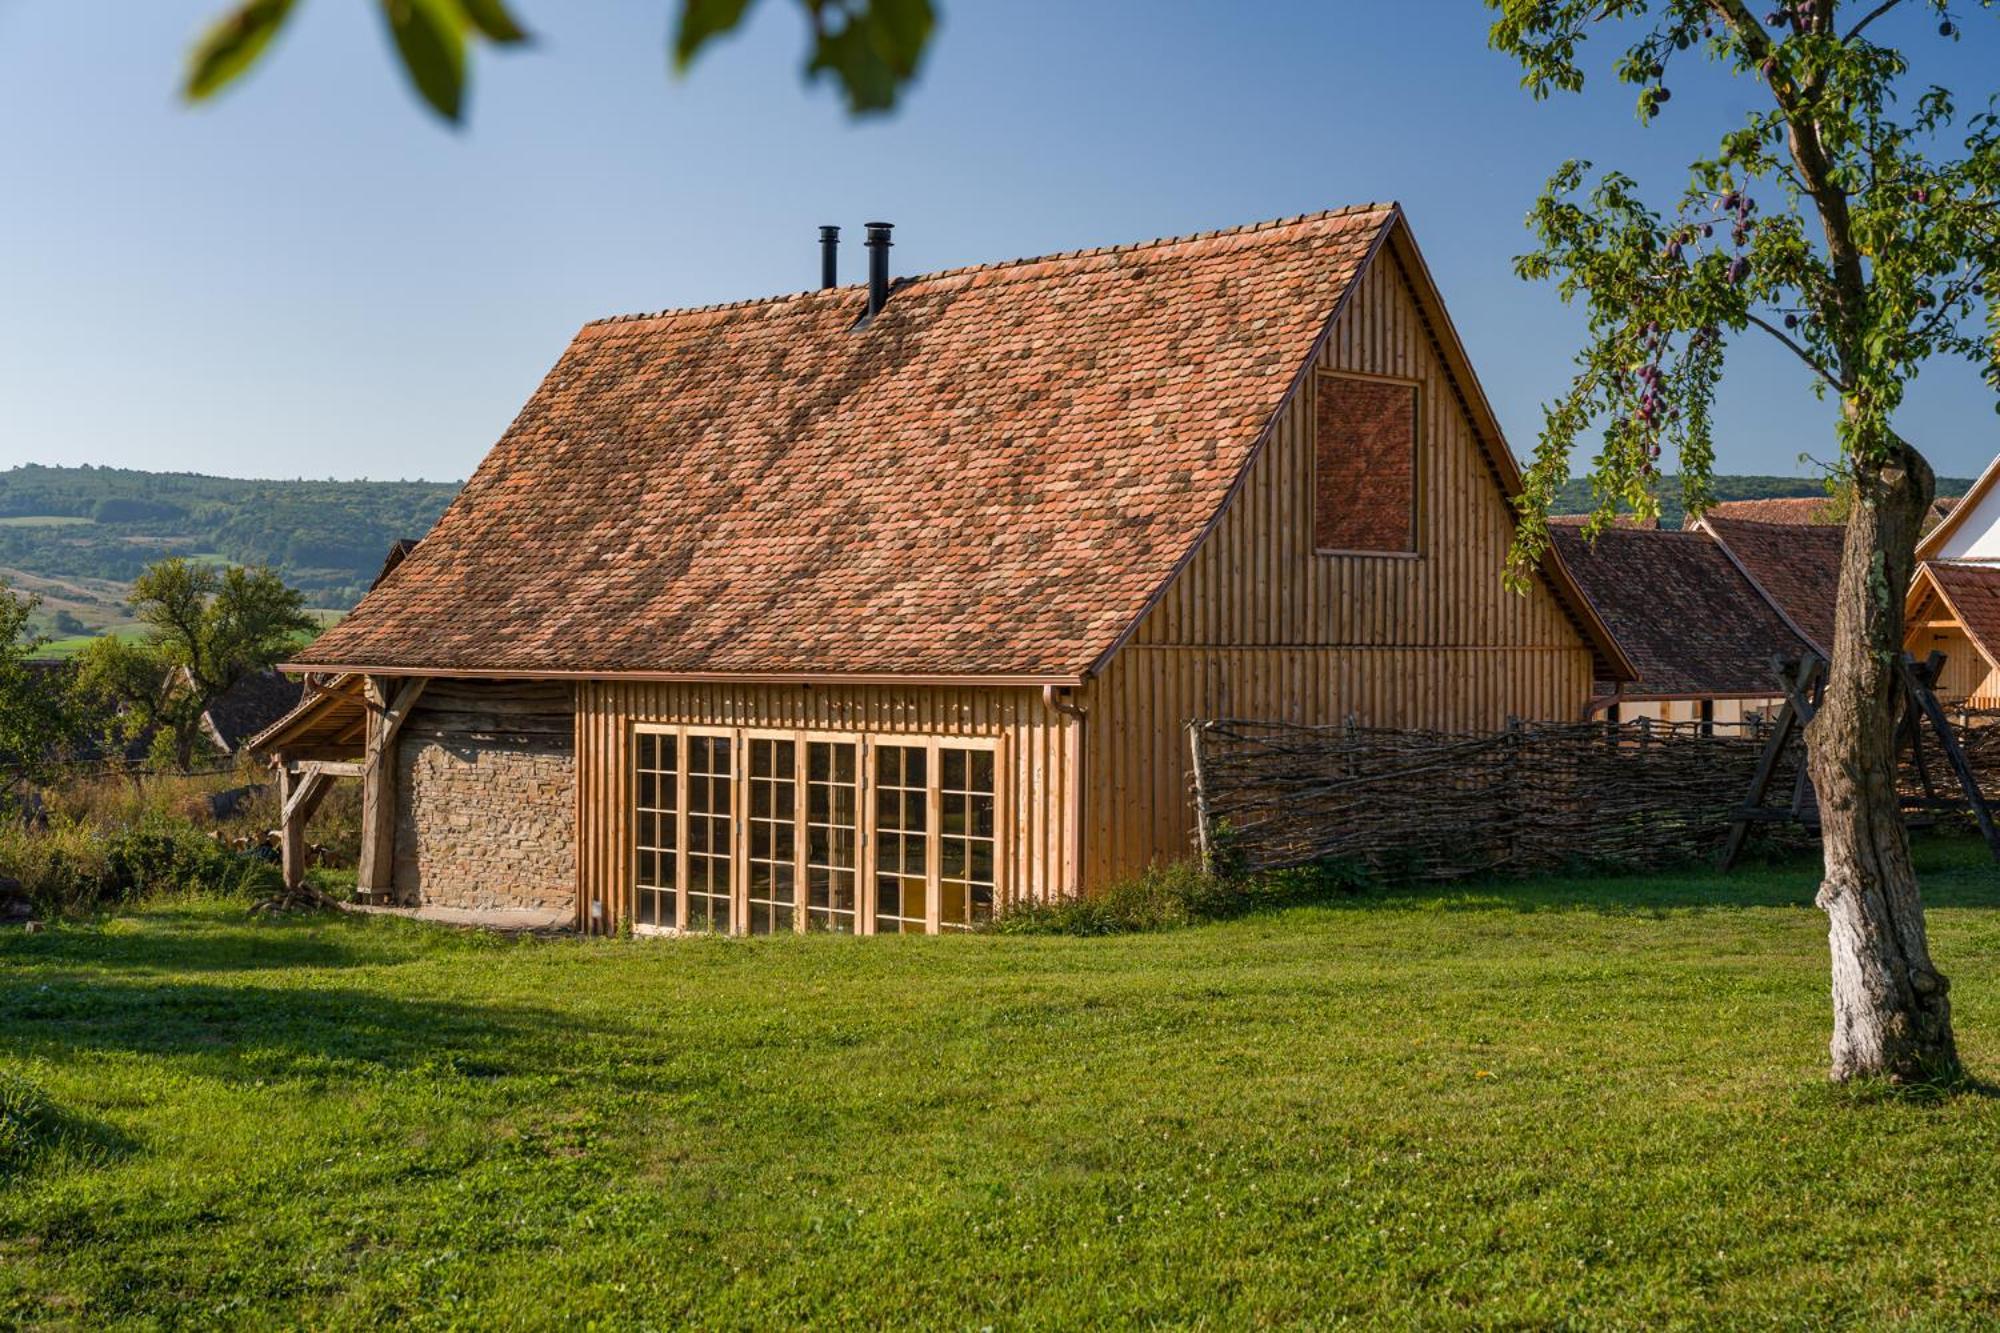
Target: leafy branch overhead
pixel 1863 237
pixel 871 48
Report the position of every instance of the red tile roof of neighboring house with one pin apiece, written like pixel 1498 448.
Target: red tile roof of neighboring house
pixel 1778 509
pixel 1682 611
pixel 1972 592
pixel 1621 521
pixel 1796 565
pixel 994 477
pixel 249 706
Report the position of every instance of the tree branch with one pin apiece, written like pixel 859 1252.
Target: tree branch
pixel 1797 350
pixel 1869 18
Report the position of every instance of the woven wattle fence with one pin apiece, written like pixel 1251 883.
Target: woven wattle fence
pixel 1533 798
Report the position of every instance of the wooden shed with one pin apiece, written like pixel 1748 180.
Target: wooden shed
pixel 1954 600
pixel 784 615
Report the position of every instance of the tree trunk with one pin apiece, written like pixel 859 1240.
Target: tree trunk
pixel 1891 1014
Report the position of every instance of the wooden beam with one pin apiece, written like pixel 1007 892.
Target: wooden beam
pixel 301 795
pixel 1918 680
pixel 375 875
pixel 1774 749
pixel 333 768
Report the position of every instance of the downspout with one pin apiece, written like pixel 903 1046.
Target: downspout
pixel 1054 698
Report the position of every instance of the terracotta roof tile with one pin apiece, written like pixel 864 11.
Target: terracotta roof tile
pixel 1797 565
pixel 1974 594
pixel 1683 613
pixel 994 477
pixel 1816 509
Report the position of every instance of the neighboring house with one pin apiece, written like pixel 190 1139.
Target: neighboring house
pixel 1796 566
pixel 1701 634
pixel 1812 509
pixel 248 707
pixel 880 607
pixel 1954 601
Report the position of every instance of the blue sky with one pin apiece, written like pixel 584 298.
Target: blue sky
pixel 313 278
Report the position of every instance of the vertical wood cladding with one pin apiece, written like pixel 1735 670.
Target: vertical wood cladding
pixel 1040 752
pixel 1260 625
pixel 1364 465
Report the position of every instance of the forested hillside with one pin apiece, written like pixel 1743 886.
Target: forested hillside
pixel 326 538
pixel 1575 498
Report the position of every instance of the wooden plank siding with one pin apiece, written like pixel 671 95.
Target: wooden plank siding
pixel 1967 680
pixel 1257 625
pixel 1039 750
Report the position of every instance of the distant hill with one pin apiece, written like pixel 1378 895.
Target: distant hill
pixel 1575 498
pixel 103 525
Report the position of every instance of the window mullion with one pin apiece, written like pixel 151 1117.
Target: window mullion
pixel 680 827
pixel 801 782
pixel 864 821
pixel 933 840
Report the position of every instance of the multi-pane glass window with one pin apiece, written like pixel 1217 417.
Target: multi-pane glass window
pixel 965 837
pixel 774 826
pixel 658 892
pixel 832 841
pixel 759 834
pixel 710 828
pixel 902 839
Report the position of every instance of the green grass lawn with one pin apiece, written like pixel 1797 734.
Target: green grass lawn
pixel 45 521
pixel 1573 1102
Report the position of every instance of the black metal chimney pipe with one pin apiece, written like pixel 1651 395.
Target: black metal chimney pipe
pixel 878 266
pixel 829 257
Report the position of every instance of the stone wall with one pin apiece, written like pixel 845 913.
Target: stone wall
pixel 486 797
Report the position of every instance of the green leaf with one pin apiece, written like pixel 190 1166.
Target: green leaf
pixel 876 51
pixel 701 22
pixel 430 37
pixel 493 21
pixel 231 45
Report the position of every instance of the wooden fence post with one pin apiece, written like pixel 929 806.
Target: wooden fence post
pixel 1206 848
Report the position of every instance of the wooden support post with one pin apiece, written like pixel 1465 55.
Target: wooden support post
pixel 1790 676
pixel 301 794
pixel 375 875
pixel 1920 691
pixel 1201 832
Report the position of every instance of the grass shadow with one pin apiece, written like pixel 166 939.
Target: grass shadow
pixel 199 937
pixel 248 1032
pixel 34 1129
pixel 1952 872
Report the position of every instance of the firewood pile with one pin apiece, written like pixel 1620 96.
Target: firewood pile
pixel 1534 798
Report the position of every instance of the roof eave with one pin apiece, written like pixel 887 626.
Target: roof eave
pixel 1061 680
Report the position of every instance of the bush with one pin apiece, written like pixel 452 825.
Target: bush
pixel 73 867
pixel 1165 897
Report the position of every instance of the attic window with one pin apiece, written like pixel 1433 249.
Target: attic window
pixel 1364 466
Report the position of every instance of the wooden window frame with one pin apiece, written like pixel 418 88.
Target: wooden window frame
pixel 1418 473
pixel 865 744
pixel 740 884
pixel 676 880
pixel 859 740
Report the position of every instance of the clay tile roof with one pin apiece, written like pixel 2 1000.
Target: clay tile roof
pixel 1778 509
pixel 1622 521
pixel 994 477
pixel 1684 614
pixel 1795 565
pixel 1973 593
pixel 249 706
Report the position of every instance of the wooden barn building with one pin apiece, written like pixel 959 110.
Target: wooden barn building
pixel 878 607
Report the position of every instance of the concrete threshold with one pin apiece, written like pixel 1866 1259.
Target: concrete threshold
pixel 537 920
